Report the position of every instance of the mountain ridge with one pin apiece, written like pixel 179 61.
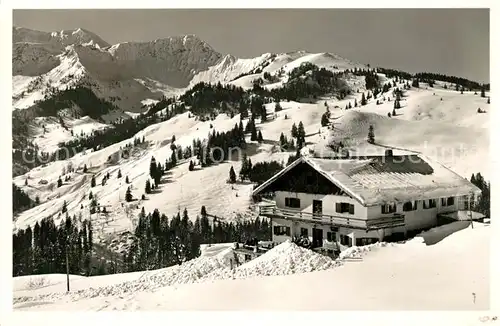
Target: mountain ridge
pixel 174 63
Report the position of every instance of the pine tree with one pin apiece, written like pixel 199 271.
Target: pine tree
pixel 363 99
pixel 483 92
pixel 232 175
pixel 128 195
pixel 85 168
pixel 127 180
pixel 294 131
pixel 260 139
pixel 173 158
pixel 148 187
pixel 371 135
pixel 245 167
pixel 394 112
pixel 26 181
pixel 415 83
pixel 92 182
pixel 277 107
pixel 488 102
pixel 91 195
pixel 64 208
pixel 324 120
pixel 254 135
pixel 59 182
pixel 119 173
pixel 191 166
pixel 152 167
pixel 301 135
pixel 355 103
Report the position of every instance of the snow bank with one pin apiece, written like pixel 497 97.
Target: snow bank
pixel 357 252
pixel 285 259
pixel 428 275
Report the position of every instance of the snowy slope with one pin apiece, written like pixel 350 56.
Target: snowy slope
pixel 289 277
pixel 54 134
pixel 242 72
pixel 441 124
pixel 461 148
pixel 63 59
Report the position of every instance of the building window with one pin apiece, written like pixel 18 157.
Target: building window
pixel 303 232
pixel 464 202
pixel 281 230
pixel 331 236
pixel 344 208
pixel 431 203
pixel 365 241
pixel 389 208
pixel 292 202
pixel 410 206
pixel 345 240
pixel 450 201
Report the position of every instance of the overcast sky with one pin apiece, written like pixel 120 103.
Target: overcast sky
pixel 449 41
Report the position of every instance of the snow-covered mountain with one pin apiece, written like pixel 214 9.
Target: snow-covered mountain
pixel 44 61
pixel 128 73
pixel 132 75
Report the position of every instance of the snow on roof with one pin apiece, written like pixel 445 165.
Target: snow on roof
pixel 375 180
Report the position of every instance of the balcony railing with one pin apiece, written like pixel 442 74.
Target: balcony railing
pixel 391 221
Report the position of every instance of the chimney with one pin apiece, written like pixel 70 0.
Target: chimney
pixel 388 152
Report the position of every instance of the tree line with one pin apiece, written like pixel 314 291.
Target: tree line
pixel 158 243
pixel 427 76
pixel 483 204
pixel 43 248
pixel 161 242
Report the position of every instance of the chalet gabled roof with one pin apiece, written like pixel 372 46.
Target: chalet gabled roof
pixel 380 179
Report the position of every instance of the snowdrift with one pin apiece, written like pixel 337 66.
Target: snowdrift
pixel 450 275
pixel 284 259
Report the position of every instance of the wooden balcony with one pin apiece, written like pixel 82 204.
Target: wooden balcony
pixel 391 221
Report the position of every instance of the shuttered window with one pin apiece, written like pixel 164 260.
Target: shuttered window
pixel 344 208
pixel 281 230
pixel 410 206
pixel 292 202
pixel 388 208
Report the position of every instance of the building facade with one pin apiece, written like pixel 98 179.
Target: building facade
pixel 338 203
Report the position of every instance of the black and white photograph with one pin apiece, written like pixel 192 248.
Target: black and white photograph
pixel 326 159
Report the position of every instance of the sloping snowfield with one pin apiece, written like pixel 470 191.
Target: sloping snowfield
pixel 454 135
pixel 452 274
